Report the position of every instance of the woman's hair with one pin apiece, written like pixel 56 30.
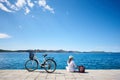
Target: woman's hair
pixel 69 60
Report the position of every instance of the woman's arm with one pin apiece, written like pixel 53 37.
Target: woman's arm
pixel 74 64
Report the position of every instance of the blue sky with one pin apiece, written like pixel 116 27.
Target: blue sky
pixel 82 25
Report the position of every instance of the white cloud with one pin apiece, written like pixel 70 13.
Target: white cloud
pixel 20 3
pixel 49 8
pixel 13 7
pixel 43 4
pixel 3 35
pixel 9 5
pixel 6 1
pixel 30 4
pixel 4 8
pixel 27 10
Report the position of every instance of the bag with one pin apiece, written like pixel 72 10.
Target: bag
pixel 31 55
pixel 81 69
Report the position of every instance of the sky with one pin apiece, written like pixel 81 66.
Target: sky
pixel 82 25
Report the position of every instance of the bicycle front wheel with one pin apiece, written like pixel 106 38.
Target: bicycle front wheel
pixel 50 65
pixel 31 65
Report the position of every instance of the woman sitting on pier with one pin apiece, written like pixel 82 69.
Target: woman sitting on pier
pixel 71 65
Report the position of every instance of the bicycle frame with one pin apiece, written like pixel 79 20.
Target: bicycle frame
pixel 43 60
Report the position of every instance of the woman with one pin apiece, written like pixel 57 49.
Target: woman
pixel 71 64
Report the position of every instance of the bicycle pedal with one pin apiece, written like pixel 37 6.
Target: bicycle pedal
pixel 42 65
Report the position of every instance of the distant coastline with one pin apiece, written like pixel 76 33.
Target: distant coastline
pixel 58 51
pixel 55 51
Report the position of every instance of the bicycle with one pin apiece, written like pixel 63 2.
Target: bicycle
pixel 48 64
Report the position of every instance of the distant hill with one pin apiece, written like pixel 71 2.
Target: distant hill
pixel 57 51
pixel 1 50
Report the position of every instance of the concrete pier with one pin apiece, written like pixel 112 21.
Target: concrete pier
pixel 59 75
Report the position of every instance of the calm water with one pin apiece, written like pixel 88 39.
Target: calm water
pixel 15 60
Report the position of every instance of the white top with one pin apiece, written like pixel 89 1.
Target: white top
pixel 71 66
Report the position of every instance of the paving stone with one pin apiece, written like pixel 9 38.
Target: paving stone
pixel 59 75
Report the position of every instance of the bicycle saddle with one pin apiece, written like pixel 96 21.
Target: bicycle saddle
pixel 44 55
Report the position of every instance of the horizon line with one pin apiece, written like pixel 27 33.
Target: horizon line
pixel 61 50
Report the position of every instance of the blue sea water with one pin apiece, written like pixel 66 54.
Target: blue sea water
pixel 16 60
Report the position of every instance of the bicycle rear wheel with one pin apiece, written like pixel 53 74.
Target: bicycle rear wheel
pixel 50 65
pixel 31 65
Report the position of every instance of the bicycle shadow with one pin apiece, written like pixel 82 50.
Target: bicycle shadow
pixel 42 71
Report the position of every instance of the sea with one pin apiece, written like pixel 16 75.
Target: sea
pixel 91 60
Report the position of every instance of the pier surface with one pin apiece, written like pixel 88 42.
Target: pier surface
pixel 59 75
